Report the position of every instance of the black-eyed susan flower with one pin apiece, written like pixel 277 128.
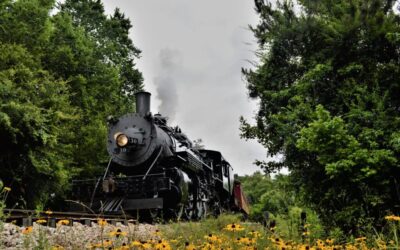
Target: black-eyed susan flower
pixel 117 233
pixel 147 245
pixel 162 245
pixel 392 218
pixel 233 227
pixel 329 241
pixel 63 222
pixel 107 243
pixel 102 222
pixel 189 246
pixel 213 238
pixel 48 212
pixel 41 221
pixel 360 239
pixel 254 234
pixel 27 230
pixel 7 189
pixel 244 241
pixel 136 243
pixel 57 247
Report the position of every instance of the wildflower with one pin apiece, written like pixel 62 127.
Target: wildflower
pixel 102 222
pixel 255 234
pixel 361 239
pixel 57 247
pixel 107 243
pixel 27 230
pixel 329 241
pixel 162 245
pixel 63 222
pixel 7 189
pixel 234 227
pixel 189 246
pixel 392 218
pixel 117 233
pixel 136 243
pixel 41 221
pixel 306 233
pixel 244 240
pixel 213 238
pixel 123 247
pixel 49 212
pixel 146 246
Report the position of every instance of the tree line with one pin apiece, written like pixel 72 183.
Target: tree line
pixel 328 84
pixel 64 67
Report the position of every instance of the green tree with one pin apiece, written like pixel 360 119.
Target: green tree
pixel 97 60
pixel 328 88
pixel 61 75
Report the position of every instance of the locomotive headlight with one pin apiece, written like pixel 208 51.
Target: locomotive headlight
pixel 122 140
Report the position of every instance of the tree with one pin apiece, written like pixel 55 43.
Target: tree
pixel 34 107
pixel 97 57
pixel 61 75
pixel 328 90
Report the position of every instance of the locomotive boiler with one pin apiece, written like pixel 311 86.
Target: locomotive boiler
pixel 155 170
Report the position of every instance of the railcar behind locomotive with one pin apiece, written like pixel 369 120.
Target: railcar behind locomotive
pixel 154 169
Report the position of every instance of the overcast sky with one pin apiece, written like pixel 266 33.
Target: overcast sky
pixel 192 55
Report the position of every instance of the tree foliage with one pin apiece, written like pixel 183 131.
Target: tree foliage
pixel 62 72
pixel 328 87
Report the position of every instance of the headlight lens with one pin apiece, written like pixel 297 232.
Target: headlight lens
pixel 122 140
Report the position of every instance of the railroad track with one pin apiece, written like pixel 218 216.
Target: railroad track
pixel 26 218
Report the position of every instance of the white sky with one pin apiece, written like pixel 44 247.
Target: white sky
pixel 192 55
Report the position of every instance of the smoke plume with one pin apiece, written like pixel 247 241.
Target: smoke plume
pixel 166 82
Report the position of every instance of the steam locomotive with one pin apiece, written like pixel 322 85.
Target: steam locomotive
pixel 156 171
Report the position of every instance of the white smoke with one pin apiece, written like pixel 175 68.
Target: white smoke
pixel 166 85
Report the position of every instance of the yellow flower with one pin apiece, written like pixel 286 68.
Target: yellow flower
pixel 102 222
pixel 57 247
pixel 136 243
pixel 212 238
pixel 146 246
pixel 48 212
pixel 329 241
pixel 117 233
pixel 7 189
pixel 392 218
pixel 41 221
pixel 123 247
pixel 27 230
pixel 107 243
pixel 189 246
pixel 63 222
pixel 234 227
pixel 244 240
pixel 162 245
pixel 359 239
pixel 255 234
pixel 306 233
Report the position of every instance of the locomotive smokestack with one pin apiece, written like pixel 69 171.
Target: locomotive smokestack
pixel 142 102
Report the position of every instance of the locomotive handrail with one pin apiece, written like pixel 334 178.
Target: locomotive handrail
pixel 152 164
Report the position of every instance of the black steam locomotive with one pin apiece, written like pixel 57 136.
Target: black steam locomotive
pixel 154 170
